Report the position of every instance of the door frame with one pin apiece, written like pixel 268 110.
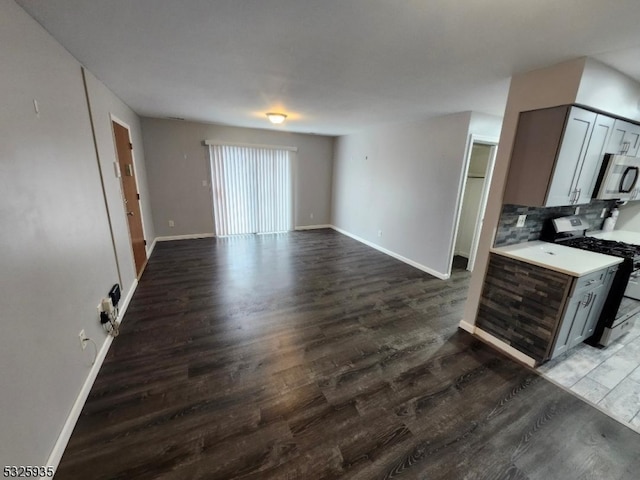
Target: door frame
pixel 484 140
pixel 483 205
pixel 114 119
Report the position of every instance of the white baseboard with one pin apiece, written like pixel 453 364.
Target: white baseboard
pixel 506 348
pixel 150 249
pixel 127 300
pixel 467 327
pixel 190 236
pixel 419 266
pixel 78 405
pixel 312 227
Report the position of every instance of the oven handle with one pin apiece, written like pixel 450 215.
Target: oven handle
pixel 624 176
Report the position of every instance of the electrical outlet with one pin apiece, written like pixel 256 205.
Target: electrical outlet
pixel 577 211
pixel 172 223
pixel 603 213
pixel 521 220
pixel 107 306
pixel 83 339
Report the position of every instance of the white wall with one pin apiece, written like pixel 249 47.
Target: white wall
pixel 57 257
pixel 403 180
pixel 629 218
pixel 179 164
pixel 603 88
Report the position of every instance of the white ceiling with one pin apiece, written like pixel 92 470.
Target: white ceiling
pixel 334 66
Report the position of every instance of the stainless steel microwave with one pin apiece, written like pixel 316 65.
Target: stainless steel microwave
pixel 618 178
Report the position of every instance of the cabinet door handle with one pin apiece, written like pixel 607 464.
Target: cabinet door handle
pixel 572 197
pixel 625 147
pixel 588 301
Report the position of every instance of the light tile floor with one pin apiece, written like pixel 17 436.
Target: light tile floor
pixel 608 377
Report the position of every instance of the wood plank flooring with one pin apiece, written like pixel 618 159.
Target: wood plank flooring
pixel 310 356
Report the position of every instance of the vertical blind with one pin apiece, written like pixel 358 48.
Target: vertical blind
pixel 252 190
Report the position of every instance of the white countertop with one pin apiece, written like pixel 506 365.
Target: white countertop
pixel 572 261
pixel 618 236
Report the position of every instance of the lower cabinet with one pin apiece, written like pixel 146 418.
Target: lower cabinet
pixel 539 311
pixel 582 312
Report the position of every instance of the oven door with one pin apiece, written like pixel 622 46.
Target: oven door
pixel 633 287
pixel 619 178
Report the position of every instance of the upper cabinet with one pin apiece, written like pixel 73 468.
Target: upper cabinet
pixel 625 139
pixel 556 156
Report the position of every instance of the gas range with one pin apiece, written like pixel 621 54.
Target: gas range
pixel 607 247
pixel 623 301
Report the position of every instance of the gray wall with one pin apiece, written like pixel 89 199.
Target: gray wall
pixel 57 257
pixel 103 105
pixel 178 165
pixel 403 180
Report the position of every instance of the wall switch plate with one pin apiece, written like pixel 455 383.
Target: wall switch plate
pixel 577 211
pixel 603 213
pixel 379 233
pixel 521 220
pixel 205 183
pixel 83 339
pixel 172 223
pixel 311 216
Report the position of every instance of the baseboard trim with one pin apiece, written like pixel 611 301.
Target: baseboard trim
pixel 419 266
pixel 190 236
pixel 150 250
pixel 312 227
pixel 78 405
pixel 504 347
pixel 467 327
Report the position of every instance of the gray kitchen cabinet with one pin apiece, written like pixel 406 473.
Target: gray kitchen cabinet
pixel 625 139
pixel 579 312
pixel 539 311
pixel 583 310
pixel 599 301
pixel 556 156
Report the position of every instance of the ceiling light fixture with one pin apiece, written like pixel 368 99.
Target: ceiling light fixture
pixel 276 118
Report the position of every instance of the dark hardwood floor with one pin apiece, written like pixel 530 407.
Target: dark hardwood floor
pixel 310 356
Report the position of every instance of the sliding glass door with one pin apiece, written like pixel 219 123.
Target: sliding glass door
pixel 252 190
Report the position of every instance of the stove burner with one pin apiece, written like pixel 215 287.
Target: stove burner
pixel 608 247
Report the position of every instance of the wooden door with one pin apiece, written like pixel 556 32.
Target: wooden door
pixel 131 196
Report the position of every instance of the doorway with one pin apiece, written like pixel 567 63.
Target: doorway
pixel 131 197
pixel 480 162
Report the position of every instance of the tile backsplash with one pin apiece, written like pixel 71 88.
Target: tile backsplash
pixel 509 234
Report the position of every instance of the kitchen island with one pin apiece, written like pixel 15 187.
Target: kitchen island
pixel 542 298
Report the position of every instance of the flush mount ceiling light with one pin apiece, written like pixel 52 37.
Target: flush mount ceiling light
pixel 276 118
